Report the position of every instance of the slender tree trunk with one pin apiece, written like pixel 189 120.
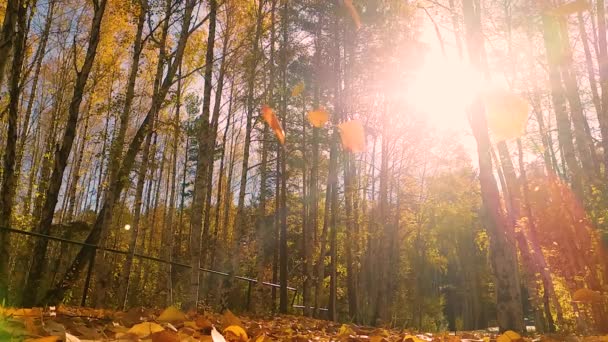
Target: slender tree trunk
pixel 283 298
pixel 7 192
pixel 202 166
pixel 40 53
pixel 163 84
pixel 61 157
pixel 603 67
pixel 7 35
pixel 504 260
pixel 241 218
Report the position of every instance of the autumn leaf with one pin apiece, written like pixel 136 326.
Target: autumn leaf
pixel 272 121
pixel 506 113
pixel 145 329
pixel 318 117
pixel 353 136
pixel 237 331
pixel 570 8
pixel 172 314
pixel 298 89
pixel 216 336
pixel 509 336
pixel 353 12
pixel 165 336
pixel 45 339
pixel 346 330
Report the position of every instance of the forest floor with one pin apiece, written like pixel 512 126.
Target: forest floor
pixel 76 324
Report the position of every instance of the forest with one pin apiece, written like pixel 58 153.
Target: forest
pixel 433 165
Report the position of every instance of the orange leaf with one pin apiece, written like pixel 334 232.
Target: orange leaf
pixel 318 117
pixel 272 121
pixel 353 136
pixel 507 114
pixel 353 12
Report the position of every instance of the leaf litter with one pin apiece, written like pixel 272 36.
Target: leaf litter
pixel 77 324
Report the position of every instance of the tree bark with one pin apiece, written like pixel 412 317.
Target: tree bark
pixel 8 189
pixel 84 255
pixel 502 253
pixel 61 157
pixel 202 165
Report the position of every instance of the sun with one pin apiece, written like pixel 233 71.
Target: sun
pixel 441 90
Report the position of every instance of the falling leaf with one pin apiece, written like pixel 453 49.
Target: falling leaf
pixel 353 136
pixel 570 8
pixel 353 12
pixel 298 89
pixel 172 314
pixel 318 117
pixel 145 329
pixel 272 121
pixel 216 336
pixel 237 331
pixel 507 114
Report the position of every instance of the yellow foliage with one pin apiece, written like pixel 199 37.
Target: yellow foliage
pixel 318 117
pixel 272 121
pixel 353 136
pixel 506 113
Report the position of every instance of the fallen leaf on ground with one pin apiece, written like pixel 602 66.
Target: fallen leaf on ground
pixel 172 314
pixel 216 336
pixel 145 329
pixel 237 331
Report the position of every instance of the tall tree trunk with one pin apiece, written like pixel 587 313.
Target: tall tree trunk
pixel 283 298
pixel 164 83
pixel 39 57
pixel 263 223
pixel 241 218
pixel 509 305
pixel 7 35
pixel 7 192
pixel 564 130
pixel 61 157
pixel 202 165
pixel 603 66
